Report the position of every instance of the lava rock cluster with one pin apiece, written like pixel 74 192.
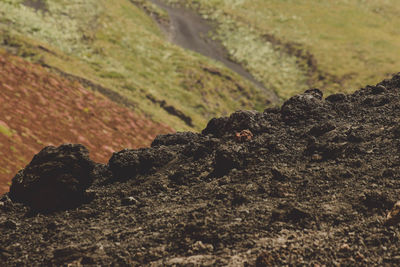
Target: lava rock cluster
pixel 56 178
pixel 315 181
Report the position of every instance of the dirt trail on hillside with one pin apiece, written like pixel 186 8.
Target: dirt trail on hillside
pixel 188 30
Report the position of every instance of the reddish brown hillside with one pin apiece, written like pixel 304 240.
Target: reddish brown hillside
pixel 38 108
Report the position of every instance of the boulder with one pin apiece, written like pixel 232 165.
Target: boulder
pixel 128 163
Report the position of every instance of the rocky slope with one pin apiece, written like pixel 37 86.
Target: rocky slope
pixel 308 183
pixel 38 108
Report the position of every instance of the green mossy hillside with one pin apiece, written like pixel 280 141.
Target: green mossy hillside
pixel 291 45
pixel 117 45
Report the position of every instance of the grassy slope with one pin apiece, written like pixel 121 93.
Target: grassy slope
pixel 38 108
pixel 353 42
pixel 114 43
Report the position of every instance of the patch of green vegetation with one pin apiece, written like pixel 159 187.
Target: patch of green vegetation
pixel 6 131
pixel 22 158
pixel 17 45
pixel 112 75
pixel 153 10
pixel 116 44
pixel 353 42
pixel 6 171
pixel 276 70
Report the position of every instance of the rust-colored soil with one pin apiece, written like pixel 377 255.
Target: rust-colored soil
pixel 38 108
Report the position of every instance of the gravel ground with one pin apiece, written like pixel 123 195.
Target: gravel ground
pixel 309 183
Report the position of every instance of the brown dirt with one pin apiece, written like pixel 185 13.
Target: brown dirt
pixel 38 5
pixel 311 186
pixel 38 108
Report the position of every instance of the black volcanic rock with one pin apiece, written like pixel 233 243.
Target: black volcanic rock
pixel 180 138
pixel 304 107
pixel 240 120
pixel 226 159
pixel 128 163
pixel 312 186
pixel 125 163
pixel 55 179
pixel 216 126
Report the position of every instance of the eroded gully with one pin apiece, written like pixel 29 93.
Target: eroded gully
pixel 188 30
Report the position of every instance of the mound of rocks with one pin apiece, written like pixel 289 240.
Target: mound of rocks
pixel 314 182
pixel 128 163
pixel 55 179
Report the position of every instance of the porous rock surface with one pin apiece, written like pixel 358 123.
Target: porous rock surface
pixel 311 185
pixel 56 178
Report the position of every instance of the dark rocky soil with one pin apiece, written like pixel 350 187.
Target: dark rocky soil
pixel 308 183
